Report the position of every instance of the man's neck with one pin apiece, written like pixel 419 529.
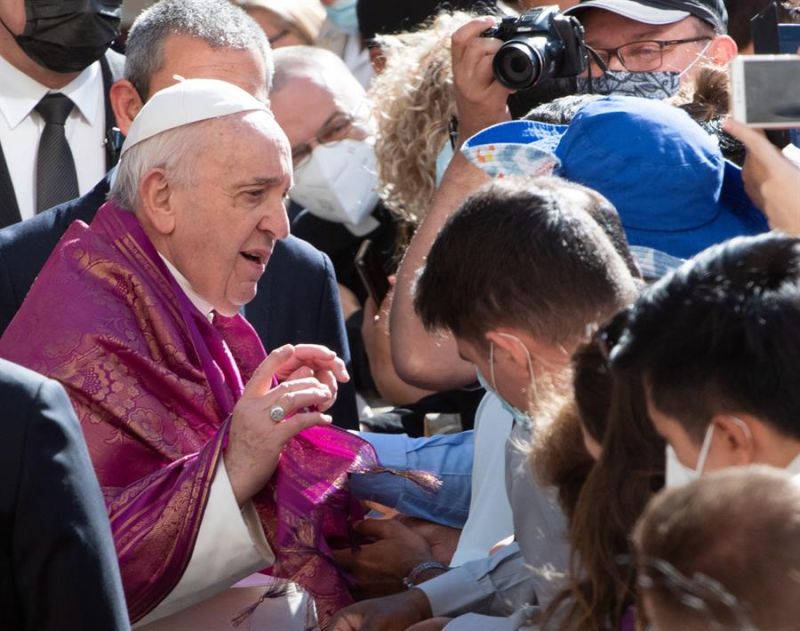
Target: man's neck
pixel 13 54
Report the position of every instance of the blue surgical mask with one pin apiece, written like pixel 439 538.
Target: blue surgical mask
pixel 520 417
pixel 442 160
pixel 343 14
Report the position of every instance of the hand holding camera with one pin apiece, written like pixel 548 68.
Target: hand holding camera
pixel 480 97
pixel 540 44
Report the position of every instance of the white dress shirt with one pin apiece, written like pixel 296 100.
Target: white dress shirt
pixel 21 127
pixel 529 571
pixel 230 543
pixel 490 518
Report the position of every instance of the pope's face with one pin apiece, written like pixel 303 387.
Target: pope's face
pixel 228 218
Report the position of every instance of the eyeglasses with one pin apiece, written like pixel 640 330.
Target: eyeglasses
pixel 278 36
pixel 639 56
pixel 337 127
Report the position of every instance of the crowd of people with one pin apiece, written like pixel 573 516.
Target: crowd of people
pixel 312 318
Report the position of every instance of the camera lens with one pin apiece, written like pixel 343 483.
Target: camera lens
pixel 517 65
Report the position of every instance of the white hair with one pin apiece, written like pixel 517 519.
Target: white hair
pixel 321 66
pixel 175 151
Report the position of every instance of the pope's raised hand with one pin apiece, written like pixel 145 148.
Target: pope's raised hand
pixel 267 417
pixel 313 360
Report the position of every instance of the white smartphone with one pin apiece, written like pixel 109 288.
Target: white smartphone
pixel 766 90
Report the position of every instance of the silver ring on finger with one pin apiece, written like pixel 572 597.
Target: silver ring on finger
pixel 277 413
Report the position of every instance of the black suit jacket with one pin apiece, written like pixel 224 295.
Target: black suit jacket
pixel 297 299
pixel 58 566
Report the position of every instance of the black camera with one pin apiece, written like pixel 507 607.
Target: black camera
pixel 539 44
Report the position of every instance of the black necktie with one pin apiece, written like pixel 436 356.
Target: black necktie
pixel 56 180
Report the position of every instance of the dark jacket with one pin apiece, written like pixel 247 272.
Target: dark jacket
pixel 297 299
pixel 58 566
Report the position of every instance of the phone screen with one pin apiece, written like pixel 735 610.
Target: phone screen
pixel 370 270
pixel 772 91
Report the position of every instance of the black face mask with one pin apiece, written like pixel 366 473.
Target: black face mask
pixel 69 35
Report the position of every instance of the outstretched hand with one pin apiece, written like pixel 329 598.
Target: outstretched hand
pixel 380 567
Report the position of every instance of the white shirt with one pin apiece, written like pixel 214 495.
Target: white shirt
pixel 489 518
pixel 230 543
pixel 21 127
pixel 202 305
pixel 529 570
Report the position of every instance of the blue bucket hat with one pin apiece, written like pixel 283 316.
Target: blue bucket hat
pixel 672 188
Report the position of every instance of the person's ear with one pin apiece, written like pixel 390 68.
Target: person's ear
pixel 510 345
pixel 722 49
pixel 157 202
pixel 735 439
pixel 126 103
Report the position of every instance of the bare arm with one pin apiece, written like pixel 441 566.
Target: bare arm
pixel 425 359
pixel 377 344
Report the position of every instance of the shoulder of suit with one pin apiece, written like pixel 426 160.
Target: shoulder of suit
pixel 297 252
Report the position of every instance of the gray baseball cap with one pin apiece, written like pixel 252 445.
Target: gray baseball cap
pixel 659 12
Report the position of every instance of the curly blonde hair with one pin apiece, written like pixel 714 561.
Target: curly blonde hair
pixel 413 100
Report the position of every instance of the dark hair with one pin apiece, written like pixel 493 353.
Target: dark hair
pixel 591 385
pixel 707 100
pixel 724 549
pixel 740 12
pixel 710 94
pixel 560 111
pixel 522 253
pixel 630 470
pixel 722 334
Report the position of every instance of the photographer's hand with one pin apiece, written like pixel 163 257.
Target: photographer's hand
pixel 770 179
pixel 480 97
